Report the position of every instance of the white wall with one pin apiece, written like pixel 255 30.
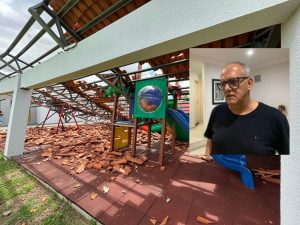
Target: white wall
pixel 205 71
pixel 211 71
pixel 196 67
pixel 38 114
pixel 201 70
pixel 33 116
pixel 290 167
pixel 5 108
pixel 273 89
pixel 41 113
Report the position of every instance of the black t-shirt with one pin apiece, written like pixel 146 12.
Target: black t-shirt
pixel 262 131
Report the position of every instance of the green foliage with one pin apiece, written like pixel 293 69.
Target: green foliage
pixel 93 222
pixel 6 165
pixel 22 215
pixel 14 181
pixel 64 215
pixel 54 219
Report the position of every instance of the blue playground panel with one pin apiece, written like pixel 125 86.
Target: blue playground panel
pixel 238 164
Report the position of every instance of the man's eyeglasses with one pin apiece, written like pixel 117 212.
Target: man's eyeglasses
pixel 233 83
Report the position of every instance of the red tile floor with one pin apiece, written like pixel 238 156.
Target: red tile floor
pixel 194 187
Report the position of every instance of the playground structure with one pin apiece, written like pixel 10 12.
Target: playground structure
pixel 64 112
pixel 148 105
pixel 92 98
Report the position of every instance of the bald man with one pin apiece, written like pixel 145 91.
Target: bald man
pixel 243 125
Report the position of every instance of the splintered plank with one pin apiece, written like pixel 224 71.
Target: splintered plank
pixel 81 167
pixel 134 160
pixel 115 153
pixel 153 221
pixel 93 196
pixel 270 172
pixel 271 180
pixel 39 141
pixel 100 165
pixel 67 154
pixel 121 170
pixel 47 154
pixel 164 221
pixel 119 161
pixel 204 220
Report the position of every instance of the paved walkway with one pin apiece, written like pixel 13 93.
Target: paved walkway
pixel 195 188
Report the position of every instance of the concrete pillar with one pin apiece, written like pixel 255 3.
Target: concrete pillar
pixel 290 167
pixel 17 120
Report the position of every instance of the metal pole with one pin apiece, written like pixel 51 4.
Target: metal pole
pixel 10 66
pixel 60 117
pixel 103 15
pixel 38 59
pixel 60 13
pixel 157 67
pixel 73 115
pixel 37 17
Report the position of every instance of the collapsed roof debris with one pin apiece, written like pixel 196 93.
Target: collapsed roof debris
pixel 88 147
pixel 268 175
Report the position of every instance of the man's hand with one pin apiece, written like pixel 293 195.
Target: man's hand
pixel 207 158
pixel 208 151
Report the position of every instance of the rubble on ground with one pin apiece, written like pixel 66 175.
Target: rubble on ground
pixel 268 175
pixel 89 147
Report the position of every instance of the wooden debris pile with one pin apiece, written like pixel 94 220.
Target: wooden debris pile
pixel 268 175
pixel 88 147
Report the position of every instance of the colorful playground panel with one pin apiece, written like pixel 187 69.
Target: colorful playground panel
pixel 151 98
pixel 121 137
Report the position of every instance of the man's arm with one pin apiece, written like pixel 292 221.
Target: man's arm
pixel 283 136
pixel 208 151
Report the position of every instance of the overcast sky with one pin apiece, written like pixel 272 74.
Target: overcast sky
pixel 13 16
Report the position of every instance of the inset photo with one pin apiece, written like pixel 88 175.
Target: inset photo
pixel 239 101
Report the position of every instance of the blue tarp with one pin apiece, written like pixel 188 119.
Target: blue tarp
pixel 238 164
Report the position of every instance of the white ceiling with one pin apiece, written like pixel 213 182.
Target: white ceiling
pixel 262 57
